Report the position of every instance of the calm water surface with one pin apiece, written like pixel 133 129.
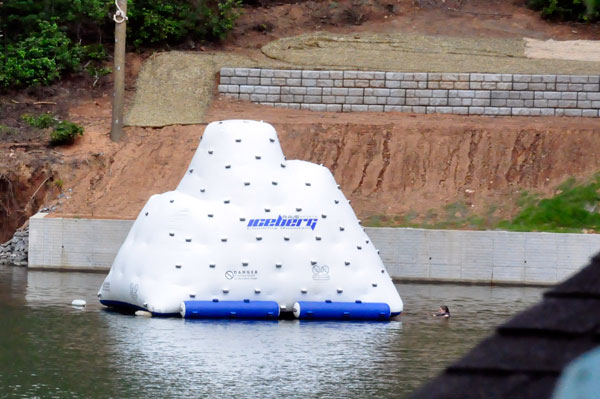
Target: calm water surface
pixel 49 349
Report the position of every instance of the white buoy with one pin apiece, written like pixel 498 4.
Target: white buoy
pixel 80 303
pixel 143 313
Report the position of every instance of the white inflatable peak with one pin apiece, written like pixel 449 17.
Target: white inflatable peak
pixel 245 224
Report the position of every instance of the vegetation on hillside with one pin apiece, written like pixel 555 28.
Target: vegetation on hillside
pixel 567 10
pixel 574 208
pixel 41 40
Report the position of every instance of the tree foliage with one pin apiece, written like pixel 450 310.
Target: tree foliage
pixel 567 10
pixel 42 39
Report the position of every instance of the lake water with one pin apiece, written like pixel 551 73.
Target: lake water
pixel 49 349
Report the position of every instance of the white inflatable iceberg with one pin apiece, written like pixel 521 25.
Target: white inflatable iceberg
pixel 247 234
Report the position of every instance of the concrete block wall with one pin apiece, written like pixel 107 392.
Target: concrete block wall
pixel 409 254
pixel 78 244
pixel 449 93
pixel 483 256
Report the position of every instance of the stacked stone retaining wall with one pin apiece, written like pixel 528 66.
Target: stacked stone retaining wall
pixel 447 93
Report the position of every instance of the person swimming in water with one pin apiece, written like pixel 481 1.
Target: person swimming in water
pixel 443 311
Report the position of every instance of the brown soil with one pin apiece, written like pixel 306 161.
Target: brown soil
pixel 396 164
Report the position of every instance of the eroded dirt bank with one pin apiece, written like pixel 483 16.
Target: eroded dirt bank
pixel 393 164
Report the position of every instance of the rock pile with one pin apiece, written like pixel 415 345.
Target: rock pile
pixel 14 252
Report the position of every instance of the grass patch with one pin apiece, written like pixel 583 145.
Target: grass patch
pixel 574 208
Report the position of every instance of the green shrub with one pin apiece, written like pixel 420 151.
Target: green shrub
pixel 42 121
pixel 65 133
pixel 39 59
pixel 567 10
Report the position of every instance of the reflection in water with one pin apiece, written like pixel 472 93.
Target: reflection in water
pixel 49 349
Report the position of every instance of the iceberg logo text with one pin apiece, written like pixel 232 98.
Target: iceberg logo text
pixel 284 222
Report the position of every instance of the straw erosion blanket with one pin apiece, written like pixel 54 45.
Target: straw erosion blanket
pixel 406 52
pixel 175 88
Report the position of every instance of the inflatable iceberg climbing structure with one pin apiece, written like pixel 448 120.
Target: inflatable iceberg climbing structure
pixel 247 234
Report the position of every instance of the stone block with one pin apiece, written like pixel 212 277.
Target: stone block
pixel 584 104
pixel 575 87
pixel 448 85
pixel 265 81
pixel 233 89
pixel 394 76
pixel 589 112
pixel 540 103
pixel 328 99
pixel 591 87
pixel 253 80
pixel 492 77
pixel 324 82
pixel 521 78
pixel 423 93
pixel 450 77
pixel 254 72
pixel 355 92
pixel 336 75
pixel 282 73
pixel 317 107
pixel 297 90
pixel 526 95
pixel 504 111
pixel 239 80
pixel 547 111
pixel 563 79
pixel 489 85
pixel 244 97
pixel 247 89
pixel 395 100
pixel 334 107
pixel 552 95
pixel 454 101
pixel 370 100
pixel 375 108
pixel 579 79
pixel 480 102
pixel 593 96
pixel 273 98
pixel 293 106
pixel 438 101
pixel 562 86
pixel 310 75
pixel 327 91
pixel 354 100
pixel 360 108
pixel 227 72
pixel 573 112
pixel 498 103
pixel 298 99
pixel 422 77
pixel 392 84
pixel 222 88
pixel 365 75
pixel 482 94
pixel 460 110
pixel 224 80
pixel 381 92
pixel 361 83
pixel 392 108
pixel 475 85
pixel 537 86
pixel 266 73
pixel 338 83
pixel 287 98
pixel 408 84
pixel 312 99
pixel 377 83
pixel 419 110
pixel 461 85
pixel 278 81
pixel 401 93
pixel 567 103
pixel 340 99
pixel 309 82
pixel 339 91
pixel 314 91
pixel 261 89
pixel 424 100
pixel 491 111
pixel 497 94
pixel 476 110
pixel 521 111
pixel 477 77
pixel 324 75
pixel 411 101
pixel 258 97
pixel 350 75
pixel 434 76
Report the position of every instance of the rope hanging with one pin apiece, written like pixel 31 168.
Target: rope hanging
pixel 119 16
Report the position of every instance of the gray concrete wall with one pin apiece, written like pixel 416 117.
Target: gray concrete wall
pixel 448 93
pixel 483 256
pixel 79 244
pixel 409 254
